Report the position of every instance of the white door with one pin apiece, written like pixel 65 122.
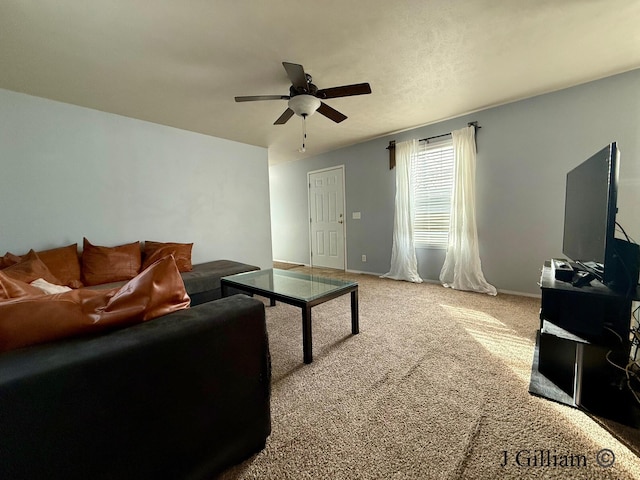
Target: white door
pixel 326 212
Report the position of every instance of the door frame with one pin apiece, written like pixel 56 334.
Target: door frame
pixel 344 209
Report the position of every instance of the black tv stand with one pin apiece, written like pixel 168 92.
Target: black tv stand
pixel 583 335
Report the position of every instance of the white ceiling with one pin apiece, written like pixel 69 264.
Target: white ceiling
pixel 181 62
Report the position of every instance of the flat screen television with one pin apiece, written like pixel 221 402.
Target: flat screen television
pixel 590 222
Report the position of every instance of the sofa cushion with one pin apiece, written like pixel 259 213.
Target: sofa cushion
pixel 64 264
pixel 154 251
pixel 156 291
pixel 109 264
pixel 30 268
pixel 206 276
pixel 12 288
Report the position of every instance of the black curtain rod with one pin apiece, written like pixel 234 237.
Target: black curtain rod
pixel 392 144
pixel 470 124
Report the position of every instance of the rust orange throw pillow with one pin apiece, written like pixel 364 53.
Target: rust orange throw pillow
pixel 12 288
pixel 30 268
pixel 154 251
pixel 157 291
pixel 8 260
pixel 110 264
pixel 64 264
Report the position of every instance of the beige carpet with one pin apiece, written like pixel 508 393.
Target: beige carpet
pixel 434 387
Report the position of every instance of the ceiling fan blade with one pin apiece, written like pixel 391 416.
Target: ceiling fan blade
pixel 297 76
pixel 331 113
pixel 345 91
pixel 255 98
pixel 288 113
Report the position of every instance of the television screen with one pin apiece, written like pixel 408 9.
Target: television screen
pixel 590 210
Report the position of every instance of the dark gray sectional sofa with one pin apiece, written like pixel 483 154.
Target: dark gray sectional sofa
pixel 182 396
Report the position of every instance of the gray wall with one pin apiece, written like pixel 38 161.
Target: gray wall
pixel 68 172
pixel 525 150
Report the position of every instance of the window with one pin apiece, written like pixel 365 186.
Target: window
pixel 432 170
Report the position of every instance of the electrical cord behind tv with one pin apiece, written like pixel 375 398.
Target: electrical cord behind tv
pixel 629 374
pixel 632 368
pixel 615 333
pixel 629 239
pixel 632 286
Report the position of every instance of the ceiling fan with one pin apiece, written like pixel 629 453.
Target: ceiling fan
pixel 305 98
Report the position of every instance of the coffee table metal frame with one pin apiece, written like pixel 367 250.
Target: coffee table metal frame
pixel 235 282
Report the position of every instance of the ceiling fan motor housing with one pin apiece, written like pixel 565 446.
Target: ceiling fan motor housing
pixel 310 88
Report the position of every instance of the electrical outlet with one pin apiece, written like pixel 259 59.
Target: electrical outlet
pixel 364 258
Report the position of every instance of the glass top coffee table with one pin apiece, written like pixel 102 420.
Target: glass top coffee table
pixel 297 289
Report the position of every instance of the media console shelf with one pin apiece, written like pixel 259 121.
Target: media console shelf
pixel 582 348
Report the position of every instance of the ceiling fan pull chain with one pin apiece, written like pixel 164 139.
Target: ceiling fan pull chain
pixel 304 133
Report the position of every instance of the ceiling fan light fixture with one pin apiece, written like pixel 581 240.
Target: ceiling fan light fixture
pixel 304 105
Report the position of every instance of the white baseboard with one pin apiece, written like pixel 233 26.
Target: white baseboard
pixel 364 273
pixel 291 263
pixel 522 294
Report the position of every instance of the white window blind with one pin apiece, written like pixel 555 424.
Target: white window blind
pixel 432 171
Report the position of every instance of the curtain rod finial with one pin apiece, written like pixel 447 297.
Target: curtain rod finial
pixel 392 154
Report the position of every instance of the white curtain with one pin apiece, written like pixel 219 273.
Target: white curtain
pixel 404 265
pixel 462 269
